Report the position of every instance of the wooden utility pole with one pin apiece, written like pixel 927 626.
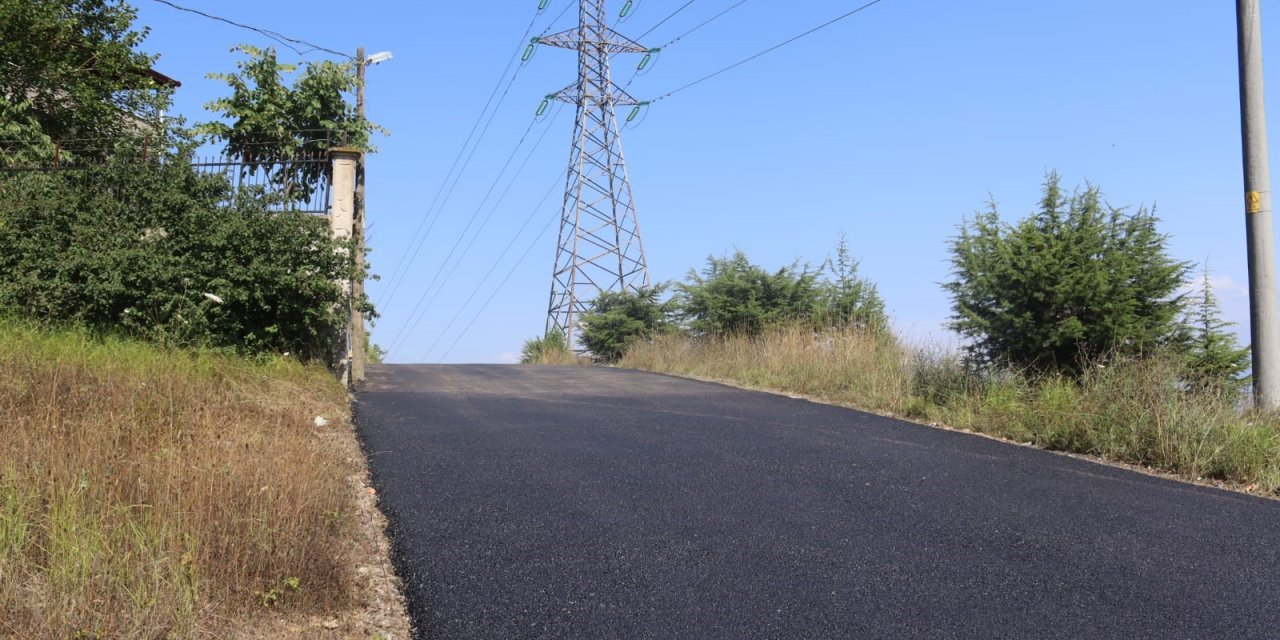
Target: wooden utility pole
pixel 1264 322
pixel 359 337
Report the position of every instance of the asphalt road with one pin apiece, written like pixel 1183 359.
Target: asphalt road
pixel 548 502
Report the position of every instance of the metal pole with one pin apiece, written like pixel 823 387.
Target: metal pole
pixel 1264 322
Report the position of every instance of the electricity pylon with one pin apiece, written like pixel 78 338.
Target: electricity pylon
pixel 599 248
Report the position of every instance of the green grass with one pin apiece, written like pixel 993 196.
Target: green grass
pixel 1133 412
pixel 147 492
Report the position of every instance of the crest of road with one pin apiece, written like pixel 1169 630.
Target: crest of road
pixel 585 502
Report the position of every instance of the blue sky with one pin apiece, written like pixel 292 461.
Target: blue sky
pixel 890 127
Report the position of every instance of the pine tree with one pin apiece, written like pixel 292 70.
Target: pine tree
pixel 850 299
pixel 1214 361
pixel 1077 281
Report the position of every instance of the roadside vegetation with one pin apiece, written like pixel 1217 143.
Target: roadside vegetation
pixel 147 492
pixel 176 459
pixel 549 349
pixel 1081 334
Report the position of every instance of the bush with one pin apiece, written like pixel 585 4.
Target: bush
pixel 733 296
pixel 1076 281
pixel 619 318
pixel 549 349
pixel 157 251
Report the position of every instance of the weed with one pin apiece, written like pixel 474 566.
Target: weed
pixel 1137 410
pixel 149 492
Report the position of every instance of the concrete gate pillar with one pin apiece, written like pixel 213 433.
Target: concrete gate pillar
pixel 342 220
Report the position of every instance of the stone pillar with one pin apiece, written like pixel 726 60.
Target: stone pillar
pixel 342 214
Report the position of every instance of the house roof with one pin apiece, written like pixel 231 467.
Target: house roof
pixel 162 79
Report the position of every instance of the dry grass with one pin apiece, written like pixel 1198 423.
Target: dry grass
pixel 838 366
pixel 1135 412
pixel 147 493
pixel 560 358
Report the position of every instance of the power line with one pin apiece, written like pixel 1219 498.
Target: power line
pixel 556 19
pixel 418 239
pixel 702 24
pixel 636 74
pixel 769 50
pixel 664 20
pixel 483 223
pixel 494 265
pixel 274 35
pixel 423 304
pixel 493 295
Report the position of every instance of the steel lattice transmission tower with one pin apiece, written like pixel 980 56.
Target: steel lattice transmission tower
pixel 599 248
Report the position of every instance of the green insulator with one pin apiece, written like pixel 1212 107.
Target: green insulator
pixel 542 108
pixel 528 53
pixel 626 8
pixel 644 62
pixel 635 111
pixel 542 4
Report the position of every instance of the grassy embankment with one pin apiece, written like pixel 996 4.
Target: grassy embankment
pixel 1132 412
pixel 154 493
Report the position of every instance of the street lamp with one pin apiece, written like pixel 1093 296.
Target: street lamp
pixel 378 58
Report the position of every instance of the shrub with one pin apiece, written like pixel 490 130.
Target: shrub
pixel 619 318
pixel 549 349
pixel 733 296
pixel 1074 282
pixel 157 251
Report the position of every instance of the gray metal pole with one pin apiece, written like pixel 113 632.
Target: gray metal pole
pixel 1263 319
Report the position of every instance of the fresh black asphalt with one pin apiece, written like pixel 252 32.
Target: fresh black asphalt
pixel 548 502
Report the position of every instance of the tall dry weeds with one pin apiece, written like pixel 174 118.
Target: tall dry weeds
pixel 1137 411
pixel 150 493
pixel 865 367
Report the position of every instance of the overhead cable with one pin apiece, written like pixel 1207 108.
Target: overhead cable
pixel 492 266
pixel 274 35
pixel 428 220
pixel 766 51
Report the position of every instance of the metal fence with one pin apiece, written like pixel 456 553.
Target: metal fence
pixel 302 183
pixel 298 183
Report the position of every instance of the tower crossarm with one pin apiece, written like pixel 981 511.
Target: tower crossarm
pixel 572 95
pixel 611 42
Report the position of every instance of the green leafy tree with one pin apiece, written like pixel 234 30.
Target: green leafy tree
pixel 848 299
pixel 1073 283
pixel 1215 362
pixel 70 72
pixel 266 119
pixel 549 349
pixel 732 295
pixel 619 318
pixel 154 250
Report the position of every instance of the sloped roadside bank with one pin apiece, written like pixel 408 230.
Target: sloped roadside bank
pixel 148 492
pixel 1129 414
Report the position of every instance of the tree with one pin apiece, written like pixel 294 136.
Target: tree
pixel 732 295
pixel 1073 283
pixel 71 70
pixel 153 250
pixel 266 120
pixel 1214 361
pixel 850 300
pixel 619 318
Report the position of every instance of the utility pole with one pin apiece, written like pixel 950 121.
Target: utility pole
pixel 599 248
pixel 358 335
pixel 1264 321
